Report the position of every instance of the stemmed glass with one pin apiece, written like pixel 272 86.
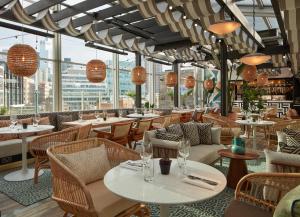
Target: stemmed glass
pixel 80 115
pixel 97 115
pixel 36 120
pixel 13 121
pixel 184 151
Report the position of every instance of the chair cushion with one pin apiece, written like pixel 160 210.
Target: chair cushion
pixel 89 165
pixel 204 131
pixel 216 135
pixel 205 153
pixel 288 203
pixel 190 130
pixel 294 133
pixel 10 147
pixel 238 209
pixel 292 146
pixel 160 134
pixel 106 203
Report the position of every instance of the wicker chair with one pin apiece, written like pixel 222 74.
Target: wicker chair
pixel 186 117
pixel 137 132
pixel 161 122
pixel 175 119
pixel 84 131
pixel 119 133
pixel 75 197
pixel 250 194
pixel 39 145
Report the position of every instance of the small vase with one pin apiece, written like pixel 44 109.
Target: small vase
pixel 238 147
pixel 165 165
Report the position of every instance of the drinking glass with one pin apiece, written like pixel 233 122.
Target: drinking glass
pixel 148 170
pixel 13 121
pixel 36 120
pixel 184 152
pixel 97 115
pixel 146 154
pixel 80 115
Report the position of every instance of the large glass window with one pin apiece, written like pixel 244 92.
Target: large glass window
pixel 187 94
pixel 26 94
pixel 77 92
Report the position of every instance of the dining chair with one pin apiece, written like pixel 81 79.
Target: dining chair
pixel 119 133
pixel 80 198
pixel 175 119
pixel 137 132
pixel 157 122
pixel 84 131
pixel 39 145
pixel 88 116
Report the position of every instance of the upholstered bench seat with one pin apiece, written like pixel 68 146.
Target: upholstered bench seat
pixel 205 153
pixel 10 147
pixel 238 209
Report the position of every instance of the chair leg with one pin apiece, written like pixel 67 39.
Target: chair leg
pixel 134 146
pixel 65 214
pixel 36 171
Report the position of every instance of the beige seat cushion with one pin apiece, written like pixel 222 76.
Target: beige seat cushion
pixel 10 147
pixel 89 165
pixel 205 153
pixel 106 203
pixel 241 209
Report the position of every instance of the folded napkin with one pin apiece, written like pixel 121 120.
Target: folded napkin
pixel 132 165
pixel 200 183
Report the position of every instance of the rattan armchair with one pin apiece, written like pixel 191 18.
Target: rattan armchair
pixel 39 145
pixel 137 132
pixel 251 193
pixel 119 133
pixel 161 122
pixel 84 131
pixel 175 119
pixel 74 196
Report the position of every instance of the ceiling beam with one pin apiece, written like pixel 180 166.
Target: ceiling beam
pixel 266 11
pixel 41 5
pixel 280 22
pixel 173 45
pixel 4 2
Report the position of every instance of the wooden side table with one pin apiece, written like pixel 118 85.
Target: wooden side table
pixel 237 167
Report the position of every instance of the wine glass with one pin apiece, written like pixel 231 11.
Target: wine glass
pixel 13 121
pixel 184 151
pixel 97 115
pixel 80 114
pixel 36 120
pixel 146 152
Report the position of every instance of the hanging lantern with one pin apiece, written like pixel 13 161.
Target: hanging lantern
pixel 171 79
pixel 22 60
pixel 138 75
pixel 249 73
pixel 96 71
pixel 189 82
pixel 224 27
pixel 208 84
pixel 262 79
pixel 255 59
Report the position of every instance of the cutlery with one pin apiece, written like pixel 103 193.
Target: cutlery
pixel 210 182
pixel 134 164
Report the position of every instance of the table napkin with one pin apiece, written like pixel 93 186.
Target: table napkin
pixel 132 165
pixel 200 183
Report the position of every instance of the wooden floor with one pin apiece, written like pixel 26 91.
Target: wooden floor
pixel 44 208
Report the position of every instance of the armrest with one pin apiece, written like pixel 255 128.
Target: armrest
pixel 103 134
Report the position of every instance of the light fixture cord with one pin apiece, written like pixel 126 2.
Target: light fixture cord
pixel 254 18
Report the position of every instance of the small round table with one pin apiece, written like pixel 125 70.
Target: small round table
pixel 237 167
pixel 140 116
pixel 254 125
pixel 164 190
pixel 24 173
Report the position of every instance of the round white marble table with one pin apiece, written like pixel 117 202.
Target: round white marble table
pixel 254 125
pixel 24 173
pixel 164 190
pixel 147 115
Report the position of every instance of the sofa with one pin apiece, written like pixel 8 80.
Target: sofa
pixel 204 153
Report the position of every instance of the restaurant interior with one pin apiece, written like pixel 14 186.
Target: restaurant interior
pixel 149 108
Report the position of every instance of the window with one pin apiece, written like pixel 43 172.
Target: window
pixel 186 94
pixel 77 92
pixel 22 94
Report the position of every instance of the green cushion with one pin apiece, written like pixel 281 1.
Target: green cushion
pixel 285 206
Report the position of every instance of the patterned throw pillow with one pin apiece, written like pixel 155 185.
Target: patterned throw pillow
pixel 294 133
pixel 292 146
pixel 190 131
pixel 204 131
pixel 175 129
pixel 167 136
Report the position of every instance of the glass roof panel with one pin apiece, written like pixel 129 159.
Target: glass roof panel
pixel 72 2
pixel 259 23
pixel 273 22
pixel 267 2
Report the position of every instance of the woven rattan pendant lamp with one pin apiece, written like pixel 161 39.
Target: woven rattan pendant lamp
pixel 208 84
pixel 22 60
pixel 171 79
pixel 190 82
pixel 96 71
pixel 138 75
pixel 254 59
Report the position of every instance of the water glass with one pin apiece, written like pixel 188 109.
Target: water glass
pixel 36 120
pixel 148 170
pixel 180 161
pixel 97 115
pixel 184 152
pixel 80 115
pixel 146 152
pixel 13 121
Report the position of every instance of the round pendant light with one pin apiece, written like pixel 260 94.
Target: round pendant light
pixel 255 59
pixel 262 79
pixel 249 73
pixel 22 60
pixel 208 84
pixel 138 75
pixel 96 71
pixel 224 27
pixel 189 82
pixel 171 79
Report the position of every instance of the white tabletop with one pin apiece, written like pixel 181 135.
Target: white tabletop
pixel 30 129
pixel 100 122
pixel 164 189
pixel 183 111
pixel 146 115
pixel 256 123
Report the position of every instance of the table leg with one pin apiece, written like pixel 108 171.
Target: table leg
pixel 237 170
pixel 24 173
pixel 254 137
pixel 164 210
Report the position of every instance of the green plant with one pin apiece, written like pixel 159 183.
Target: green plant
pixel 170 93
pixel 3 110
pixel 252 99
pixel 152 105
pixel 131 94
pixel 147 105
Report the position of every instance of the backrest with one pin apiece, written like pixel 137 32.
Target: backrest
pixel 121 129
pixel 89 116
pixel 175 118
pixel 84 131
pixel 143 125
pixel 167 121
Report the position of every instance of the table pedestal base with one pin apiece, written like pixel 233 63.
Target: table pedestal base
pixel 164 210
pixel 237 170
pixel 21 175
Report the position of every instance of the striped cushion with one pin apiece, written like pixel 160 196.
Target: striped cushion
pixel 190 131
pixel 292 146
pixel 293 133
pixel 175 129
pixel 204 130
pixel 167 136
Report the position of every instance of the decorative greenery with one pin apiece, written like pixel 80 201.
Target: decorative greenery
pixel 3 110
pixel 131 94
pixel 170 93
pixel 147 105
pixel 252 99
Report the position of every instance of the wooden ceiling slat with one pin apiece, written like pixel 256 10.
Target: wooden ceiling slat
pixel 41 5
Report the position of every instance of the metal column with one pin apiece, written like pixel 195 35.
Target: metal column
pixel 176 88
pixel 224 78
pixel 138 88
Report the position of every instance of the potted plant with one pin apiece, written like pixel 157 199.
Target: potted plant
pixel 165 165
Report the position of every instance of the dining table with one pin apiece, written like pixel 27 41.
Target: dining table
pixel 164 190
pixel 143 116
pixel 100 122
pixel 24 173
